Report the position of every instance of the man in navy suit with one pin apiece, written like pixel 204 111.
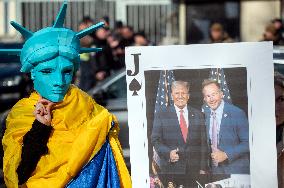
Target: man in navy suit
pixel 227 131
pixel 179 137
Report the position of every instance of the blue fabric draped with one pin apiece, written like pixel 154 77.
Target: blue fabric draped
pixel 100 172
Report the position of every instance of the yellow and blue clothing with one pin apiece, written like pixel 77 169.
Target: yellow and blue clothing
pixel 82 138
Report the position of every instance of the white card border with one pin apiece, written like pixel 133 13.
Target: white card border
pixel 256 57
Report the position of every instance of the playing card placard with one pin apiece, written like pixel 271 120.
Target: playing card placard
pixel 160 154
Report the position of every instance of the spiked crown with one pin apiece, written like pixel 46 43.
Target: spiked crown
pixel 51 42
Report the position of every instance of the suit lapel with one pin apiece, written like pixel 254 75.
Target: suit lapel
pixel 190 116
pixel 207 112
pixel 191 122
pixel 224 120
pixel 173 115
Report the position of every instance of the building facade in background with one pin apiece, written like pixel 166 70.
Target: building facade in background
pixel 163 21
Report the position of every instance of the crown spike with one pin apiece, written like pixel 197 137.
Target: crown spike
pixel 11 51
pixel 26 33
pixel 89 30
pixel 61 16
pixel 88 50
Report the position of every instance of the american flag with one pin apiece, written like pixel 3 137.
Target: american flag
pixel 219 75
pixel 163 98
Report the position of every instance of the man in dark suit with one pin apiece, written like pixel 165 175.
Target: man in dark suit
pixel 227 131
pixel 179 137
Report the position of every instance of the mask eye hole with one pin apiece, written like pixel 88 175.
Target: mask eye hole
pixel 46 71
pixel 67 71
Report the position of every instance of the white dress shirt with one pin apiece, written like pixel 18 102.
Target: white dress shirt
pixel 219 114
pixel 185 114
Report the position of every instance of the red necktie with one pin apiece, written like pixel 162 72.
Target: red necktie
pixel 183 126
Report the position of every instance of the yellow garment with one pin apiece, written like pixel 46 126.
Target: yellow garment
pixel 80 129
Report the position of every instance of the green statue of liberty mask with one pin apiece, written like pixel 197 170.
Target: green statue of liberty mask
pixel 51 55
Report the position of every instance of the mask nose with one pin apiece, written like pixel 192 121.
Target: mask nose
pixel 58 80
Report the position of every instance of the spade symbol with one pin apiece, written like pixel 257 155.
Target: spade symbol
pixel 134 86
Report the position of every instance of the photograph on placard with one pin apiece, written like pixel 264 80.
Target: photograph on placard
pixel 183 134
pixel 195 118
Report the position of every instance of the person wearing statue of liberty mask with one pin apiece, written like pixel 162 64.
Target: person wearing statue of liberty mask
pixel 59 136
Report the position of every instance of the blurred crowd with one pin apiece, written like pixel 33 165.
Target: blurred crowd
pixel 97 67
pixel 217 34
pixel 274 31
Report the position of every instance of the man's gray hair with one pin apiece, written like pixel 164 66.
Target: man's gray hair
pixel 180 83
pixel 207 82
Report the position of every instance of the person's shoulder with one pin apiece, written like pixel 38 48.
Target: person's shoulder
pixel 164 110
pixel 25 104
pixel 75 91
pixel 85 102
pixel 21 113
pixel 233 108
